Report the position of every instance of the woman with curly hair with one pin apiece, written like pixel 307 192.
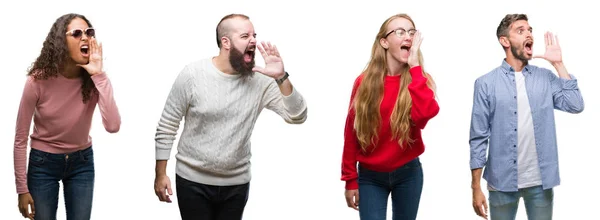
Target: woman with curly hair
pixel 391 102
pixel 62 89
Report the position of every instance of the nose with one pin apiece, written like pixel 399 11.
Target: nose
pixel 84 37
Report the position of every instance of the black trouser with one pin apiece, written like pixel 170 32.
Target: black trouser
pixel 206 202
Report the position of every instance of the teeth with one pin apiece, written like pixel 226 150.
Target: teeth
pixel 84 47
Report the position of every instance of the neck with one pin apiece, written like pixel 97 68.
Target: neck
pixel 71 71
pixel 514 62
pixel 222 63
pixel 394 67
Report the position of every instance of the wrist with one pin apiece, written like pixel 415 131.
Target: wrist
pixel 95 73
pixel 282 78
pixel 412 65
pixel 558 64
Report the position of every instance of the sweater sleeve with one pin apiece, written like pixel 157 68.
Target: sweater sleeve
pixel 111 119
pixel 291 108
pixel 351 145
pixel 175 108
pixel 424 106
pixel 27 106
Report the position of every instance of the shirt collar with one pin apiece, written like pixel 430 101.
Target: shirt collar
pixel 509 70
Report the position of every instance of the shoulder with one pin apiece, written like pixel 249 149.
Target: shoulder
pixel 37 80
pixel 490 76
pixel 484 82
pixel 358 80
pixel 194 68
pixel 197 66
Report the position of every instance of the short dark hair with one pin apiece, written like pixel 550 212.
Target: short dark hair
pixel 505 24
pixel 223 30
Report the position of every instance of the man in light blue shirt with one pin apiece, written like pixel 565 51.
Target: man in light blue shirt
pixel 513 118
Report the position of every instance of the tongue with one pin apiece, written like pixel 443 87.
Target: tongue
pixel 404 52
pixel 247 58
pixel 528 50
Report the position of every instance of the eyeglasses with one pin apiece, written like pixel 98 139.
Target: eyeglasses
pixel 77 33
pixel 400 32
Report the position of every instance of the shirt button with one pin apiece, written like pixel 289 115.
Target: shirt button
pixel 515 129
pixel 515 145
pixel 514 161
pixel 515 97
pixel 515 113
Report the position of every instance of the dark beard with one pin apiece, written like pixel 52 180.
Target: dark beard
pixel 518 53
pixel 236 59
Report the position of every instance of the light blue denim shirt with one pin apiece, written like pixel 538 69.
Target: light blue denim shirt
pixel 494 122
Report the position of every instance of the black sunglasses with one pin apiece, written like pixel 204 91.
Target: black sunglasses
pixel 77 33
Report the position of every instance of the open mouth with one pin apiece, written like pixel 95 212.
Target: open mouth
pixel 85 50
pixel 249 55
pixel 407 48
pixel 528 47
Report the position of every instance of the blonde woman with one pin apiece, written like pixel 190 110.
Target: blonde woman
pixel 391 102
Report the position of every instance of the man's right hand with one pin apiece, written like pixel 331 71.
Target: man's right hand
pixel 25 201
pixel 162 187
pixel 479 203
pixel 352 198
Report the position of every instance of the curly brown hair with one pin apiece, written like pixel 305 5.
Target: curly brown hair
pixel 55 55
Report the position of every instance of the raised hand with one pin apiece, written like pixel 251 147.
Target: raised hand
pixel 273 63
pixel 94 66
pixel 553 53
pixel 413 57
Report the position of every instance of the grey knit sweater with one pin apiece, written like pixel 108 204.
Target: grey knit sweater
pixel 220 111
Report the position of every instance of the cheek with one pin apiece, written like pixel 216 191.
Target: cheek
pixel 72 46
pixel 393 47
pixel 242 44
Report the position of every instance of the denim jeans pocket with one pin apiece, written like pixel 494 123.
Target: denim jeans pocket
pixel 36 157
pixel 366 173
pixel 413 164
pixel 498 199
pixel 541 198
pixel 87 155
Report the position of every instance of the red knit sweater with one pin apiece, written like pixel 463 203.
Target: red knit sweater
pixel 388 155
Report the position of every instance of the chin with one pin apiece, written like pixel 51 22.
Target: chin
pixel 400 59
pixel 83 61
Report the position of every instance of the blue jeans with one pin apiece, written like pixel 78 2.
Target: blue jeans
pixel 538 203
pixel 199 201
pixel 75 170
pixel 405 184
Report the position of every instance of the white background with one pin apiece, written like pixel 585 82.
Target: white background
pixel 325 45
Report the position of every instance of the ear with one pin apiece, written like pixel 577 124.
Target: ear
pixel 384 43
pixel 225 43
pixel 504 41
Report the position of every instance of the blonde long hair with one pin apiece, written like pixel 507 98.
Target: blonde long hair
pixel 367 101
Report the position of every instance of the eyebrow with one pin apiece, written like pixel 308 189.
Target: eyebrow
pixel 406 29
pixel 522 26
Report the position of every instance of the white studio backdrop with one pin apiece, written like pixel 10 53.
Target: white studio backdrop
pixel 324 45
